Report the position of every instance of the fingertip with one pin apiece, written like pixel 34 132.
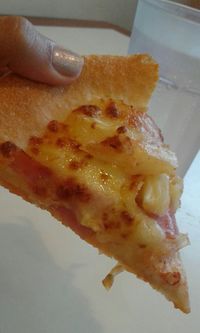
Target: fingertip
pixel 28 53
pixel 66 62
pixel 64 68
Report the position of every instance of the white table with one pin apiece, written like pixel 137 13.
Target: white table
pixel 50 281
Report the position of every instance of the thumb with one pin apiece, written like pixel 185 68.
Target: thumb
pixel 26 52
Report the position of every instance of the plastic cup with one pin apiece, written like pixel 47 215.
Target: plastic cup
pixel 170 32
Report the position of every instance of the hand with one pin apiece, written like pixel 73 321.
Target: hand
pixel 26 52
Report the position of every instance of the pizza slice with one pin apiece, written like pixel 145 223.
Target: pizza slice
pixel 90 155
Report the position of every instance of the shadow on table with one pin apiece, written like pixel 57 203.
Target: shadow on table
pixel 35 294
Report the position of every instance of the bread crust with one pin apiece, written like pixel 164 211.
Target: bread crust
pixel 26 107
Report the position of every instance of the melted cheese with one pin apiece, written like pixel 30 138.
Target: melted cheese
pixel 104 149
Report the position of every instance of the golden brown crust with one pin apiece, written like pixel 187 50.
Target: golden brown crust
pixel 26 107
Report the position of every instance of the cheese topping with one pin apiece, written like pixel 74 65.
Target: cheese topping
pixel 114 168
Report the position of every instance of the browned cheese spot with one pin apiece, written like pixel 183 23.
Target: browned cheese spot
pixel 71 189
pixel 112 111
pixel 74 144
pixel 35 141
pixel 89 110
pixel 113 142
pixel 121 129
pixel 75 165
pixel 7 149
pixel 61 142
pixel 125 235
pixel 142 246
pixel 53 126
pixel 126 218
pixel 88 156
pixel 109 223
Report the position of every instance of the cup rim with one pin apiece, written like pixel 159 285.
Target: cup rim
pixel 188 13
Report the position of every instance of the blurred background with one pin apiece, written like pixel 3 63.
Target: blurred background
pixel 118 12
pixel 113 11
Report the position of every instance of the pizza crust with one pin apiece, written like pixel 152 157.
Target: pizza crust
pixel 26 107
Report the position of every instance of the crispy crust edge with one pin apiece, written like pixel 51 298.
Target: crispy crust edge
pixel 26 107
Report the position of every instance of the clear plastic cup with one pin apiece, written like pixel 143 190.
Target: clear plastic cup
pixel 170 32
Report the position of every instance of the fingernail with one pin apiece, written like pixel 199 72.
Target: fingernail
pixel 66 62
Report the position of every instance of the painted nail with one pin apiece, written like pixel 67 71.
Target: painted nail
pixel 66 62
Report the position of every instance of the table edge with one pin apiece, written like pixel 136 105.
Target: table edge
pixel 76 23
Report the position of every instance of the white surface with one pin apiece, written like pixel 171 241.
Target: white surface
pixel 88 41
pixel 115 11
pixel 50 280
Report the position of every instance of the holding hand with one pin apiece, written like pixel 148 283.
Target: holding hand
pixel 23 50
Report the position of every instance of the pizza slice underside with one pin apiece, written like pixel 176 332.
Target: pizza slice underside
pixel 100 167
